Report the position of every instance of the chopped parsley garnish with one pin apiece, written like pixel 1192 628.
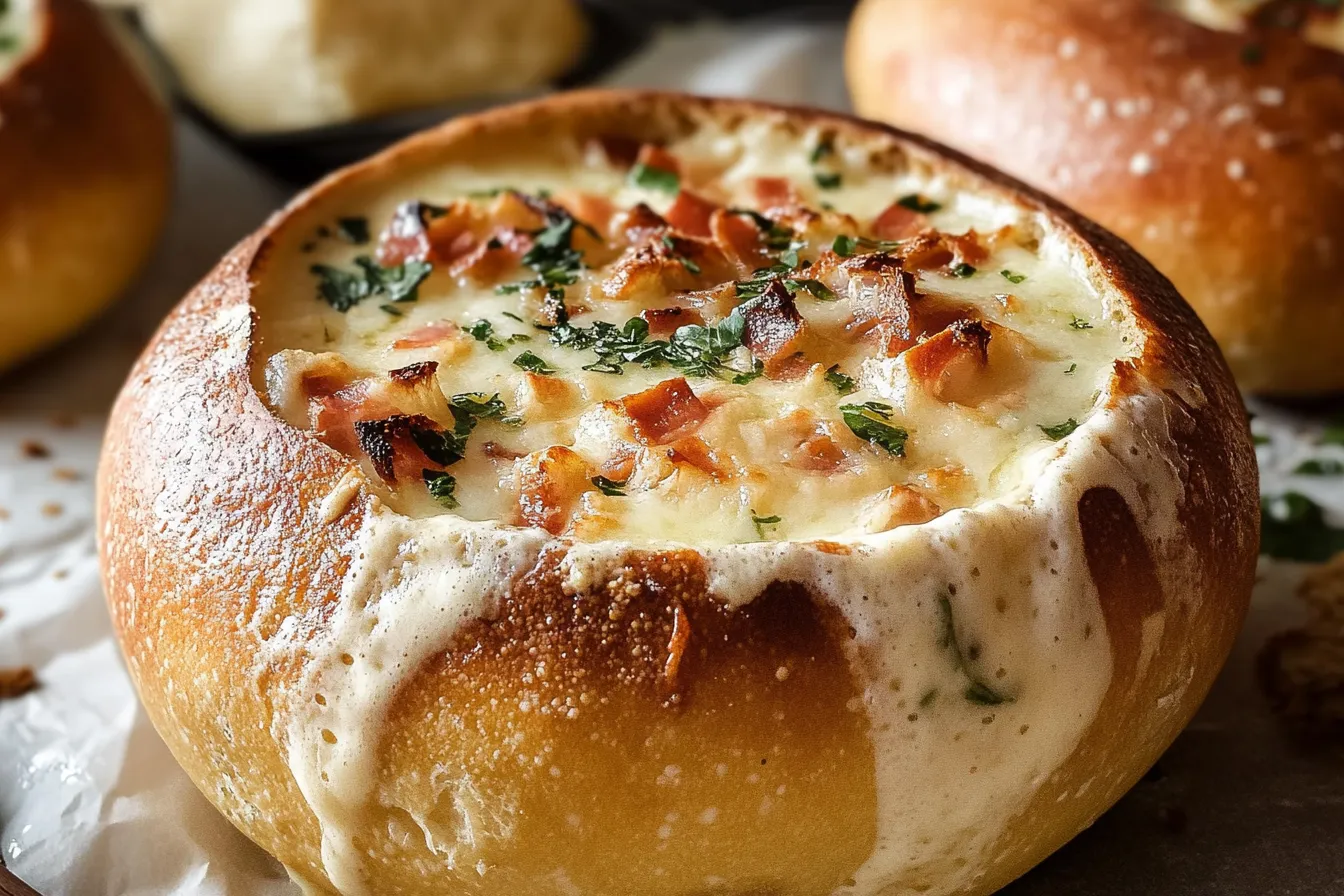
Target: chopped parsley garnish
pixel 977 691
pixel 823 149
pixel 827 180
pixel 353 230
pixel 469 408
pixel 762 521
pixel 659 179
pixel 870 422
pixel 1320 466
pixel 843 383
pixel 963 270
pixel 441 487
pixel 777 237
pixel 844 246
pixel 344 290
pixel 756 372
pixel 687 263
pixel 1078 323
pixel 1072 369
pixel 1059 430
pixel 917 203
pixel 8 43
pixel 1293 527
pixel 529 361
pixel 553 257
pixel 610 487
pixel 392 310
pixel 695 350
pixel 511 316
pixel 1012 276
pixel 1333 434
pixel 484 331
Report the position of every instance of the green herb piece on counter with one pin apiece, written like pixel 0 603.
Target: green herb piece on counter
pixel 1293 527
pixel 827 180
pixel 843 383
pixel 1013 277
pixel 917 203
pixel 441 487
pixel 344 290
pixel 658 179
pixel 1059 430
pixel 762 521
pixel 610 487
pixel 870 422
pixel 963 270
pixel 353 230
pixel 1320 466
pixel 529 361
pixel 1078 323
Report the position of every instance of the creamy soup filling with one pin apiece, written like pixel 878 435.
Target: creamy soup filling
pixel 768 339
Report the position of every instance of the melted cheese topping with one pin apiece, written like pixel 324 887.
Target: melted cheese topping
pixel 17 31
pixel 775 458
pixel 1005 558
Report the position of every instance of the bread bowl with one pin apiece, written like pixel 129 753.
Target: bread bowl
pixel 265 66
pixel 588 626
pixel 85 169
pixel 1208 133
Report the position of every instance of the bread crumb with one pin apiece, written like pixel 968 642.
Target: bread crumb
pixel 65 474
pixel 34 450
pixel 1302 670
pixel 1236 169
pixel 1141 164
pixel 51 508
pixel 16 682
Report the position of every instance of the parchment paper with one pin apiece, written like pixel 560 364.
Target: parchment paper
pixel 92 803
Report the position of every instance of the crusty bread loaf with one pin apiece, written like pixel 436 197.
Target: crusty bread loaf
pixel 411 644
pixel 85 168
pixel 1208 133
pixel 277 65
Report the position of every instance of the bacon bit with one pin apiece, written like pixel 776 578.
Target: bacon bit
pixel 620 465
pixel 656 268
pixel 544 397
pixel 676 646
pixel 391 439
pixel 496 451
pixel 665 321
pixel 691 214
pixel 414 374
pixel 882 295
pixel 927 251
pixel 15 683
pixel 899 505
pixel 665 411
pixel 404 238
pixel 812 447
pixel 420 232
pixel 519 211
pixel 34 450
pixel 740 239
pixel 432 334
pixel 653 156
pixel 774 192
pixel 951 365
pixel 967 248
pixel 695 451
pixel 898 222
pixel 620 152
pixel 773 326
pixel 639 223
pixel 550 484
pixel 488 260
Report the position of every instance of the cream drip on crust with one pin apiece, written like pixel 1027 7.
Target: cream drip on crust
pixel 17 24
pixel 969 586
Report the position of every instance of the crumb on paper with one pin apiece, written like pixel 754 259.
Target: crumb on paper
pixel 51 508
pixel 34 450
pixel 4 513
pixel 1302 670
pixel 65 474
pixel 16 682
pixel 64 420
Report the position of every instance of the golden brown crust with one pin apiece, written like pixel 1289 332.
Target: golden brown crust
pixel 1218 155
pixel 85 169
pixel 212 515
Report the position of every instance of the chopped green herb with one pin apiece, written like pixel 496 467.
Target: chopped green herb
pixel 869 421
pixel 511 316
pixel 693 349
pixel 610 487
pixel 1078 323
pixel 659 179
pixel 392 310
pixel 756 372
pixel 1257 439
pixel 917 203
pixel 484 331
pixel 1333 434
pixel 977 691
pixel 353 230
pixel 843 384
pixel 927 700
pixel 1072 369
pixel 1320 466
pixel 344 290
pixel 1012 276
pixel 687 263
pixel 1059 430
pixel 1253 54
pixel 469 408
pixel 844 246
pixel 762 521
pixel 529 361
pixel 963 270
pixel 823 149
pixel 552 256
pixel 827 180
pixel 1293 527
pixel 441 487
pixel 778 238
pixel 518 337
